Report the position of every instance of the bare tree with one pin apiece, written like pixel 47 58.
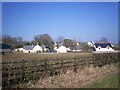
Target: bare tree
pixel 60 39
pixel 44 39
pixel 15 42
pixel 104 40
pixel 69 43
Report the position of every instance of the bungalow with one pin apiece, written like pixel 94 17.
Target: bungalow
pixel 62 49
pixel 75 49
pixel 4 47
pixel 19 49
pixel 102 47
pixel 32 49
pixel 44 48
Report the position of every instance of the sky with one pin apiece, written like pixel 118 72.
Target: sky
pixel 84 21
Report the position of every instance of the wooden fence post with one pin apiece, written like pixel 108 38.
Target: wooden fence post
pixel 61 66
pixel 94 60
pixel 45 67
pixel 8 77
pixel 22 71
pixel 75 65
pixel 87 62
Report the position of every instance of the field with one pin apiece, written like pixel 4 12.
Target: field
pixel 41 56
pixel 78 69
pixel 105 77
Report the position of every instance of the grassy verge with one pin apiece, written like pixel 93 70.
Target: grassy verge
pixel 109 82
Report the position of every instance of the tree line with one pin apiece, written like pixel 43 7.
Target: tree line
pixel 45 39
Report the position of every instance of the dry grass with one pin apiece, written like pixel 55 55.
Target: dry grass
pixel 73 80
pixel 41 56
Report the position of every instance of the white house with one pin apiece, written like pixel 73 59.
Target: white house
pixel 19 49
pixel 102 47
pixel 44 48
pixel 37 48
pixel 90 43
pixel 75 49
pixel 55 48
pixel 62 49
pixel 32 49
pixel 68 49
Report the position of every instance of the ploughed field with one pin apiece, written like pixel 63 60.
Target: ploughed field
pixel 41 56
pixel 27 67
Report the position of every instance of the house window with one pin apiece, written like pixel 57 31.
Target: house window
pixel 38 51
pixel 99 47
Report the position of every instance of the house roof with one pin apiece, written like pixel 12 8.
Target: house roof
pixel 4 46
pixel 28 47
pixel 103 45
pixel 75 48
pixel 43 46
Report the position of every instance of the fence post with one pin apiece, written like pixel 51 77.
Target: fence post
pixel 8 83
pixel 94 60
pixel 22 71
pixel 45 67
pixel 61 66
pixel 75 65
pixel 87 62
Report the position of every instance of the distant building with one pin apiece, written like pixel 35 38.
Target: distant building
pixel 90 43
pixel 68 49
pixel 62 49
pixel 59 48
pixel 32 49
pixel 4 47
pixel 55 49
pixel 75 49
pixel 44 48
pixel 102 47
pixel 19 49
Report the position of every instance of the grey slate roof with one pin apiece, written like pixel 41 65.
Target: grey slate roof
pixel 4 46
pixel 103 45
pixel 75 48
pixel 28 47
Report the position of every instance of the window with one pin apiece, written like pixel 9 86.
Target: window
pixel 99 47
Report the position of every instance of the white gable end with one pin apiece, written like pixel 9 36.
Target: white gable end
pixel 37 48
pixel 62 49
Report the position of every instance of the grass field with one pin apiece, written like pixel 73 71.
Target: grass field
pixel 41 56
pixel 109 82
